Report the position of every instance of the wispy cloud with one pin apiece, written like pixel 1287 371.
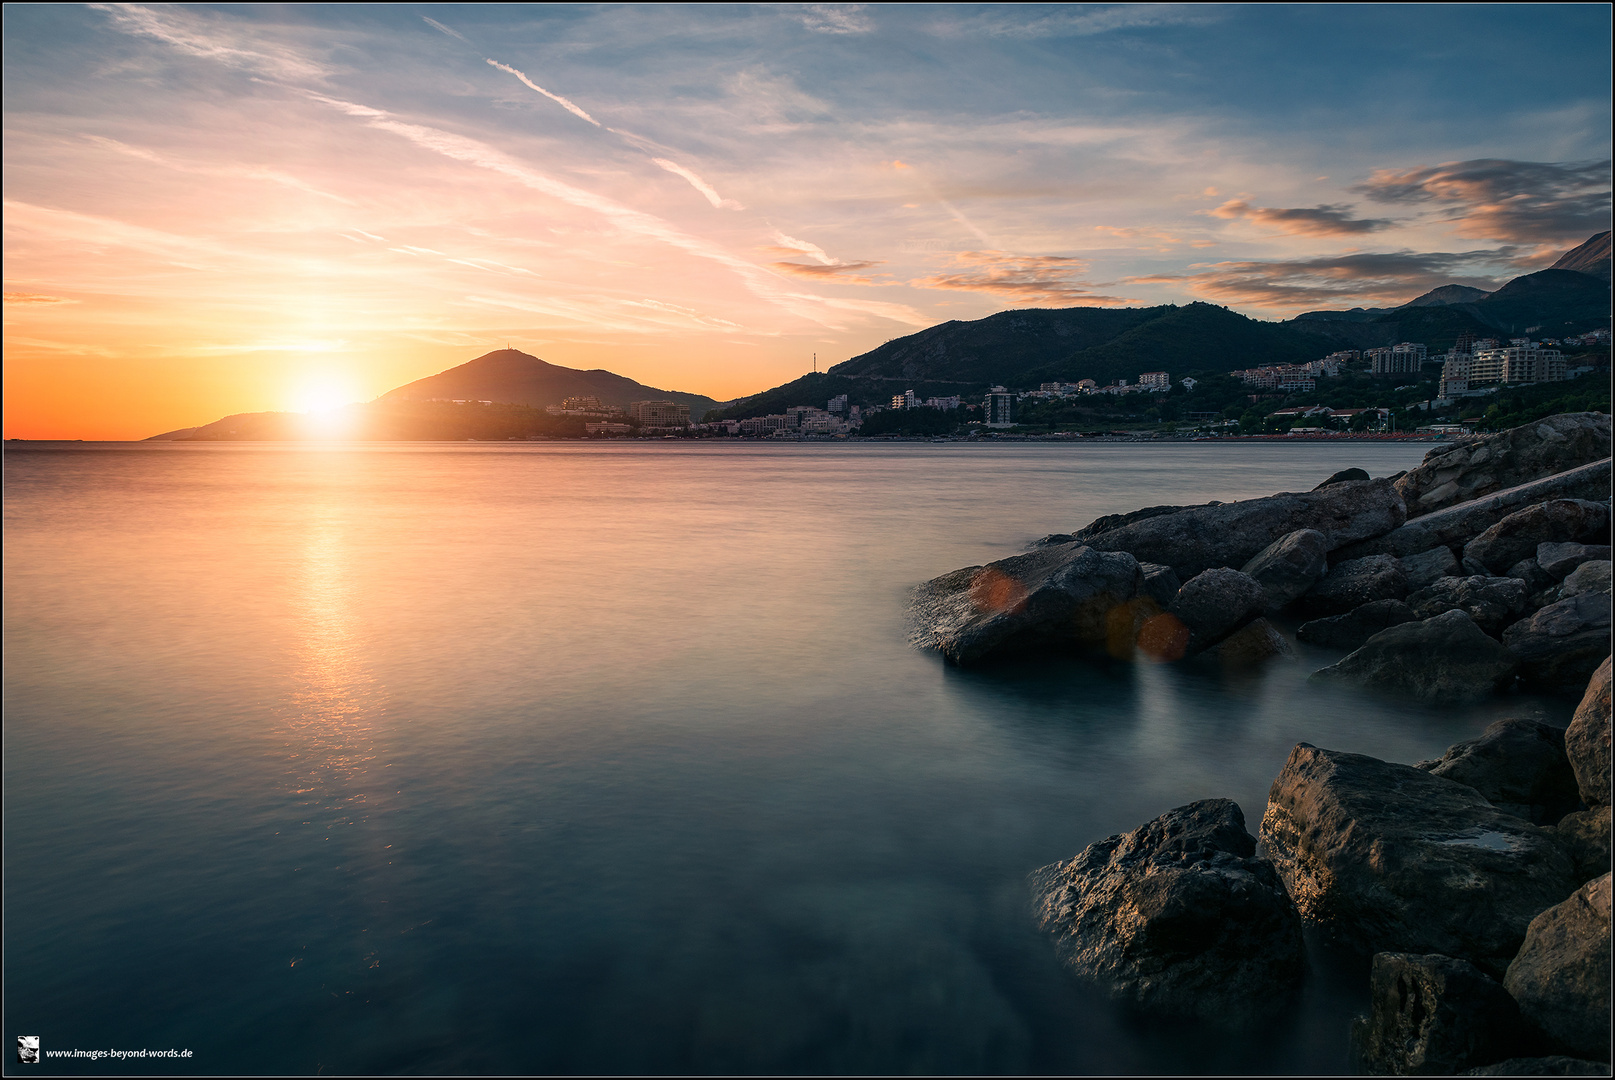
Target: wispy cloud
pixel 1371 279
pixel 1498 199
pixel 1084 20
pixel 35 298
pixel 847 273
pixel 439 26
pixel 186 31
pixel 833 18
pixel 557 98
pixel 238 171
pixel 706 189
pixel 1026 279
pixel 1326 220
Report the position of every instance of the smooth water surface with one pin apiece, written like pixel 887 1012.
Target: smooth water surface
pixel 598 758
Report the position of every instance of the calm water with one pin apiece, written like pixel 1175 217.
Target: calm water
pixel 598 759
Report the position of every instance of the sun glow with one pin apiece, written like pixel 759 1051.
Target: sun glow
pixel 323 394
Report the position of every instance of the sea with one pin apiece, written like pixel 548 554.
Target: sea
pixel 604 758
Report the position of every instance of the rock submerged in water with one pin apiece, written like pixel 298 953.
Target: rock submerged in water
pixel 1387 858
pixel 1178 916
pixel 1432 1015
pixel 1561 977
pixel 1463 471
pixel 1447 658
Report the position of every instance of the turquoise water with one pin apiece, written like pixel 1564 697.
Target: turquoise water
pixel 558 758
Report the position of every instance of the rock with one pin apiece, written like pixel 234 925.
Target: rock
pixel 1386 858
pixel 1429 567
pixel 1354 583
pixel 1290 565
pixel 1555 1065
pixel 1519 535
pixel 1519 766
pixel 1214 603
pixel 1055 598
pixel 1124 624
pixel 1456 525
pixel 1447 658
pixel 1177 916
pixel 1558 560
pixel 1255 644
pixel 1052 539
pixel 1493 602
pixel 1342 476
pixel 1432 1015
pixel 1589 577
pixel 1160 583
pixel 1472 469
pixel 1537 580
pixel 1351 630
pixel 1561 646
pixel 1585 834
pixel 1231 534
pixel 1561 975
pixel 1587 739
pixel 1112 522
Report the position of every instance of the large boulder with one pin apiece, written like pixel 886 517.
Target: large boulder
pixel 1519 766
pixel 1432 1015
pixel 1558 560
pixel 1561 646
pixel 1351 630
pixel 1342 476
pixel 1354 583
pixel 1054 598
pixel 1290 565
pixel 1469 470
pixel 1231 534
pixel 1585 834
pixel 1160 584
pixel 1561 975
pixel 1520 534
pixel 1591 576
pixel 1112 522
pixel 1386 858
pixel 1493 602
pixel 1214 604
pixel 1447 658
pixel 1454 526
pixel 1429 567
pixel 1587 739
pixel 1178 916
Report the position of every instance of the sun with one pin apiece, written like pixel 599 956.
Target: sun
pixel 323 394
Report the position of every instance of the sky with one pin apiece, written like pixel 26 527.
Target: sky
pixel 222 209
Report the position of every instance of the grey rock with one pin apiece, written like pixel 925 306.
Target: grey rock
pixel 1354 583
pixel 1561 976
pixel 1447 658
pixel 1215 603
pixel 1558 560
pixel 1231 534
pixel 1589 577
pixel 1472 469
pixel 1351 630
pixel 1342 476
pixel 1561 646
pixel 1519 766
pixel 1160 583
pixel 1493 602
pixel 1432 1015
pixel 1429 567
pixel 1587 739
pixel 1289 566
pixel 1585 834
pixel 1519 535
pixel 1553 1065
pixel 1052 539
pixel 1386 858
pixel 1454 526
pixel 1253 645
pixel 1538 582
pixel 1112 522
pixel 1177 916
pixel 1055 598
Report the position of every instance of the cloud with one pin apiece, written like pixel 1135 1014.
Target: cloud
pixel 245 172
pixel 557 98
pixel 1497 199
pixel 451 33
pixel 1041 279
pixel 1077 21
pixel 718 201
pixel 36 298
pixel 1364 279
pixel 182 32
pixel 836 273
pixel 1326 220
pixel 834 18
pixel 1162 241
pixel 790 245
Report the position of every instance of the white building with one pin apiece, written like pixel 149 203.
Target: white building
pixel 1154 379
pixel 999 407
pixel 660 414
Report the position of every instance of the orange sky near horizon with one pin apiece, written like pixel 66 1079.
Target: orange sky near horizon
pixel 220 210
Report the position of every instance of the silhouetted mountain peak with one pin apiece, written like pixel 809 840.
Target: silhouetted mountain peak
pixel 1592 257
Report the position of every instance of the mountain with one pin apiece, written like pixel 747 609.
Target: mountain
pixel 510 376
pixel 1448 294
pixel 1593 257
pixel 1559 301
